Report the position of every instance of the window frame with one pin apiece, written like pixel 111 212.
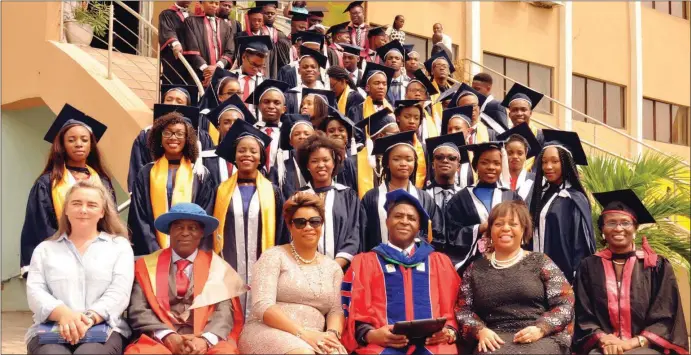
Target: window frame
pixel 604 99
pixel 685 9
pixel 671 121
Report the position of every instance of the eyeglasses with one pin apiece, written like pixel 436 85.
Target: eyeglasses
pixel 624 224
pixel 169 134
pixel 301 223
pixel 451 158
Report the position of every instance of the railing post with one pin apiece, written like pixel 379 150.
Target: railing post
pixel 62 22
pixel 110 42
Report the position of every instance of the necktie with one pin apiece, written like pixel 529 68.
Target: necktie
pixel 246 88
pixel 229 166
pixel 182 282
pixel 396 88
pixel 269 130
pixel 358 36
pixel 471 136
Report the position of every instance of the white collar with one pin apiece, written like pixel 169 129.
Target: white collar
pixel 409 249
pixel 190 258
pixel 183 9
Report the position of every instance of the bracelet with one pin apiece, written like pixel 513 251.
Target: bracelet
pixel 335 332
pixel 641 341
pixel 299 334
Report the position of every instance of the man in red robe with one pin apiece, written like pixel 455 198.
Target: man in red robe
pixel 425 284
pixel 184 299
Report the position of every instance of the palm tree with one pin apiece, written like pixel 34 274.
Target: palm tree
pixel 663 185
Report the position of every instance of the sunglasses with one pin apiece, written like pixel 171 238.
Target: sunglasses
pixel 301 223
pixel 451 158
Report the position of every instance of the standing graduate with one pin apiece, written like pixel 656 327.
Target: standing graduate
pixel 399 163
pixel 248 206
pixel 223 84
pixel 466 95
pixel 392 55
pixel 288 176
pixel 170 178
pixel 352 62
pixel 339 36
pixel 375 81
pixel 520 145
pixel 253 52
pixel 368 166
pixel 376 38
pixel 357 27
pixel 280 55
pixel 344 89
pixel 74 156
pixel 316 104
pixel 627 299
pixel 409 117
pixel 457 120
pixel 439 67
pixel 521 101
pixel 223 117
pixel 421 88
pixel 338 127
pixel 320 158
pixel 309 66
pixel 467 212
pixel 269 102
pixel 559 206
pixel 482 83
pixel 171 34
pixel 310 39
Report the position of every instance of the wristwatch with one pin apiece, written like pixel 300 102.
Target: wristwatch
pixel 642 341
pixel 335 332
pixel 91 315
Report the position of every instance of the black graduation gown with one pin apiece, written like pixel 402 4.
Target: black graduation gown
pixel 343 218
pixel 280 55
pixel 140 219
pixel 356 112
pixel 198 48
pixel 354 98
pixel 332 55
pixel 495 110
pixel 292 103
pixel 291 182
pixel 462 219
pixel 653 296
pixel 435 191
pixel 289 75
pixel 170 29
pixel 348 174
pixel 40 221
pixel 370 232
pixel 568 236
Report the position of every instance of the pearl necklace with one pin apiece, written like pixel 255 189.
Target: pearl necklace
pixel 299 258
pixel 504 264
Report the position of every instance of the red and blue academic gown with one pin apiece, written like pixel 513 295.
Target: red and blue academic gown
pixel 384 286
pixel 646 303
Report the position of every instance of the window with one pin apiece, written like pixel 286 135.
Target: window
pixel 664 122
pixel 600 100
pixel 675 8
pixel 423 45
pixel 536 76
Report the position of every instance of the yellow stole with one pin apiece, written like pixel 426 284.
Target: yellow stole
pixel 59 189
pixel 365 173
pixel 182 191
pixel 267 203
pixel 438 108
pixel 421 171
pixel 344 100
pixel 213 133
pixel 430 125
pixel 528 165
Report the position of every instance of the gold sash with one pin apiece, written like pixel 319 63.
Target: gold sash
pixel 344 100
pixel 182 191
pixel 365 173
pixel 438 108
pixel 213 133
pixel 59 189
pixel 421 171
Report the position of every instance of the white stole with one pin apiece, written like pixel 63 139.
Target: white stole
pixel 483 213
pixel 539 236
pixel 327 241
pixel 246 247
pixel 523 184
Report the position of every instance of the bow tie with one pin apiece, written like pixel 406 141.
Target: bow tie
pixel 396 83
pixel 378 102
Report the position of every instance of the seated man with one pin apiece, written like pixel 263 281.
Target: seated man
pixel 426 284
pixel 184 300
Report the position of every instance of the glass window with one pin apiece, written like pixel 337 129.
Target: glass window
pixel 677 8
pixel 517 70
pixel 614 101
pixel 648 119
pixel 540 80
pixel 663 129
pixel 680 125
pixel 594 99
pixel 496 63
pixel 662 6
pixel 420 44
pixel 648 4
pixel 578 92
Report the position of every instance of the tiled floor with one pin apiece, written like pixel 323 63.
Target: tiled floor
pixel 14 326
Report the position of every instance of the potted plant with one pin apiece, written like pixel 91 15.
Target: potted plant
pixel 88 20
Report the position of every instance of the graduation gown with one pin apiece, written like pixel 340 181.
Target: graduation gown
pixel 341 231
pixel 171 28
pixel 441 196
pixel 40 220
pixel 524 185
pixel 496 111
pixel 351 98
pixel 275 133
pixel 373 216
pixel 646 304
pixel 294 97
pixel 288 74
pixel 140 219
pixel 464 214
pixel 199 44
pixel 288 177
pixel 384 286
pixel 217 167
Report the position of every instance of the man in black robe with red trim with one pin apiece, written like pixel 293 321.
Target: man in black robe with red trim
pixel 171 32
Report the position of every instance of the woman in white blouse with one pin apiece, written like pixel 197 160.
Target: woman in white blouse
pixel 83 275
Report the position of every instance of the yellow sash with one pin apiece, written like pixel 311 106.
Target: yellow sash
pixel 182 191
pixel 59 189
pixel 438 108
pixel 528 165
pixel 365 173
pixel 344 100
pixel 421 171
pixel 267 203
pixel 213 133
pixel 430 125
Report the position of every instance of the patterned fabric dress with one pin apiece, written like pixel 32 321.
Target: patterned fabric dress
pixel 532 292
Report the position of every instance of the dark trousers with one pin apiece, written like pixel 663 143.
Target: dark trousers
pixel 113 345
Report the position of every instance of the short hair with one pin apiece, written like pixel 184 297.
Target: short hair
pixel 520 139
pixel 302 199
pixel 483 77
pixel 397 17
pixel 315 142
pixel 506 208
pixel 476 156
pixel 155 138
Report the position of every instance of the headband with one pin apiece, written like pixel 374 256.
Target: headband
pixel 182 90
pixel 231 108
pixel 326 101
pixel 438 59
pixel 272 88
pixel 383 128
pixel 392 51
pixel 463 117
pixel 245 135
pixel 73 121
pixel 622 212
pixel 557 146
pixel 449 145
pixel 397 144
pixel 373 72
pixel 299 123
pixel 523 97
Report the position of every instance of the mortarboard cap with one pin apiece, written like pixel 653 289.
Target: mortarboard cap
pixel 376 31
pixel 438 56
pixel 465 89
pixel 227 147
pixel 329 96
pixel 624 201
pixel 210 98
pixel 308 36
pixel 526 133
pixel 518 92
pixel 401 104
pixel 372 68
pixel 399 195
pixel 393 46
pixel 338 28
pixel 298 16
pixel 232 103
pixel 290 121
pixel 424 80
pixel 409 48
pixel 190 113
pixel 260 44
pixel 266 85
pixel 351 49
pixel 255 10
pixel 376 122
pixel 384 144
pixel 480 148
pixel 352 5
pixel 464 112
pixel 454 141
pixel 190 91
pixel 567 140
pixel 309 52
pixel 70 115
pixel 334 114
pixel 448 94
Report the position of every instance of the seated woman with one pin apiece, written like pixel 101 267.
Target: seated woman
pixel 424 281
pixel 74 157
pixel 399 163
pixel 532 316
pixel 248 206
pixel 296 304
pixel 315 104
pixel 320 158
pixel 287 175
pixel 169 179
pixel 521 144
pixel 457 120
pixel 627 299
pixel 82 275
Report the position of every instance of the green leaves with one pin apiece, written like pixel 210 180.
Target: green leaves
pixel 96 14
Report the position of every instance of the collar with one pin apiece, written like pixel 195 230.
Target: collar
pixel 408 249
pixel 190 258
pixel 183 9
pixel 443 186
pixel 481 184
pixel 101 236
pixel 362 26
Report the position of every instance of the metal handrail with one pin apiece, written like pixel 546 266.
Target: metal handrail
pixel 586 116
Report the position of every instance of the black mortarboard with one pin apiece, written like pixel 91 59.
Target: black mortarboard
pixel 480 148
pixel 289 121
pixel 409 48
pixel 226 148
pixel 439 55
pixel 373 68
pixel 624 201
pixel 567 140
pixel 309 52
pixel 352 5
pixel 190 113
pixel 329 95
pixel 376 122
pixel 338 28
pixel 376 31
pixel 298 16
pixel 394 46
pixel 448 94
pixel 266 85
pixel 454 141
pixel 69 115
pixel 210 98
pixel 524 131
pixel 266 3
pixel 260 44
pixel 351 49
pixel 334 114
pixel 190 91
pixel 424 80
pixel 463 90
pixel 519 91
pixel 308 36
pixel 464 112
pixel 382 145
pixel 232 103
pixel 255 10
pixel 401 104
